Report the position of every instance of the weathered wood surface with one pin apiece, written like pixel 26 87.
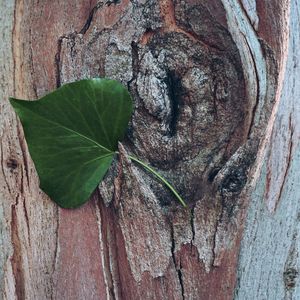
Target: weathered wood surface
pixel 215 86
pixel 269 263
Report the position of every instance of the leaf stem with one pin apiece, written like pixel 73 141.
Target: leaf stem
pixel 162 179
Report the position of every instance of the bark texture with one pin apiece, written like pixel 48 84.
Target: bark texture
pixel 215 92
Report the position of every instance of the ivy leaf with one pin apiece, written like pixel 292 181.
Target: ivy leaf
pixel 72 136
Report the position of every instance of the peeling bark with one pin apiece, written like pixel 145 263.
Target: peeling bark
pixel 216 112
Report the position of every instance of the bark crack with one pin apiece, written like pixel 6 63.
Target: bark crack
pixel 89 20
pixel 214 244
pixel 16 259
pixel 105 251
pixel 32 66
pixel 246 15
pixel 55 258
pixel 27 221
pixel 111 266
pixel 180 277
pixel 134 62
pixel 57 61
pixel 177 268
pixel 193 224
pixel 252 123
pixel 22 143
pixel 288 161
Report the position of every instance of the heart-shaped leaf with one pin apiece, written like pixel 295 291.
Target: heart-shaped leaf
pixel 72 135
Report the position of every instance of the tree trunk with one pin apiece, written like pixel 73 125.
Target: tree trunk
pixel 215 90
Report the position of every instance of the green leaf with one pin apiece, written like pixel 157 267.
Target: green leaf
pixel 72 135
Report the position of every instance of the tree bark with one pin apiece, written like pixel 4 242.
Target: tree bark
pixel 217 112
